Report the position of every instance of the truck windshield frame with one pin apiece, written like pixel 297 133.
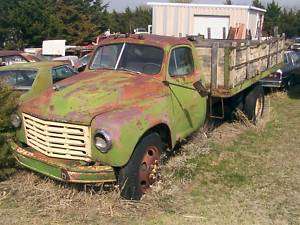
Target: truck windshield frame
pixel 136 58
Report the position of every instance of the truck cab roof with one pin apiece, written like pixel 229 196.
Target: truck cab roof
pixel 149 39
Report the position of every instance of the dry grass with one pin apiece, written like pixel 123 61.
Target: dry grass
pixel 35 197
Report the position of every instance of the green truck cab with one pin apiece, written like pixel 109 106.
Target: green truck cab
pixel 138 96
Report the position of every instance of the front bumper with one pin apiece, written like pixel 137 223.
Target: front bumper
pixel 296 47
pixel 61 169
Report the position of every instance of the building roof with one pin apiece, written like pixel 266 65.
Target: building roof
pixel 249 7
pixel 9 52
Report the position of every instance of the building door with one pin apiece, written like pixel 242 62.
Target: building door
pixel 216 24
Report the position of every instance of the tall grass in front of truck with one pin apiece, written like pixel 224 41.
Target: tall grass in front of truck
pixel 8 103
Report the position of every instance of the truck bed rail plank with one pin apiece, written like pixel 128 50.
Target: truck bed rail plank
pixel 227 64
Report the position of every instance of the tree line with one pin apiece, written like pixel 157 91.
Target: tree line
pixel 287 20
pixel 26 23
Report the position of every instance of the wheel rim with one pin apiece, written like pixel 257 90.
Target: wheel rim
pixel 259 107
pixel 149 168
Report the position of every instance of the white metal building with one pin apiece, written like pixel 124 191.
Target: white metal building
pixel 179 19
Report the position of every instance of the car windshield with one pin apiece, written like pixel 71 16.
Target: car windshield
pixel 141 30
pixel 9 60
pixel 85 59
pixel 18 78
pixel 129 57
pixel 295 57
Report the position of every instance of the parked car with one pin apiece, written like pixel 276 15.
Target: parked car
pixel 14 57
pixel 296 45
pixel 285 76
pixel 37 76
pixel 140 30
pixel 82 62
pixel 70 59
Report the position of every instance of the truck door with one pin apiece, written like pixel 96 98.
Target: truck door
pixel 189 108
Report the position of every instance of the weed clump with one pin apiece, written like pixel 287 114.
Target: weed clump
pixel 8 103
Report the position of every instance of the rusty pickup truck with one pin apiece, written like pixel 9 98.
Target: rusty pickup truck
pixel 139 96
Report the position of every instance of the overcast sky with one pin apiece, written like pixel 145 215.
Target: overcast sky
pixel 120 5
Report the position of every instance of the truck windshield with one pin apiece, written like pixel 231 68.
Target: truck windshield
pixel 130 57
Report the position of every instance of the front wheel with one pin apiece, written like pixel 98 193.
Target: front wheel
pixel 142 170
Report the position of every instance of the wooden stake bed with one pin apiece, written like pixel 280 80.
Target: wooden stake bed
pixel 229 66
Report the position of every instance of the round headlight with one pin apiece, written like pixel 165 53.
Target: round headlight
pixel 15 120
pixel 102 140
pixel 279 71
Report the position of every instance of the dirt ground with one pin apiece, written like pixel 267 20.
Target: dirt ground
pixel 238 174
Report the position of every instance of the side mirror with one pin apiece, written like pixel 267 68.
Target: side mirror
pixel 200 88
pixel 165 82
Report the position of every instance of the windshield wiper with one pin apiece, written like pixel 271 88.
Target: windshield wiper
pixel 129 70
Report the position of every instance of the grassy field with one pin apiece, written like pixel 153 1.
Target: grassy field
pixel 235 175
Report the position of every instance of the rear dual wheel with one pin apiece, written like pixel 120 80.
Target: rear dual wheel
pixel 254 104
pixel 143 168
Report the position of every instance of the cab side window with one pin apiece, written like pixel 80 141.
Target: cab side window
pixel 60 73
pixel 181 62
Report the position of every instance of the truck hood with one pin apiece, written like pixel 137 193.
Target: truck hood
pixel 80 98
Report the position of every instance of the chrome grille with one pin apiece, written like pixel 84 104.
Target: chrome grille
pixel 60 140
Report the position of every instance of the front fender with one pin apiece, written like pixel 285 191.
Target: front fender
pixel 126 127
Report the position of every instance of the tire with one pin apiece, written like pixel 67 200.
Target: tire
pixel 291 83
pixel 142 170
pixel 232 105
pixel 254 104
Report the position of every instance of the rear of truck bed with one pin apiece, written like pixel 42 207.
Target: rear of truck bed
pixel 230 66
